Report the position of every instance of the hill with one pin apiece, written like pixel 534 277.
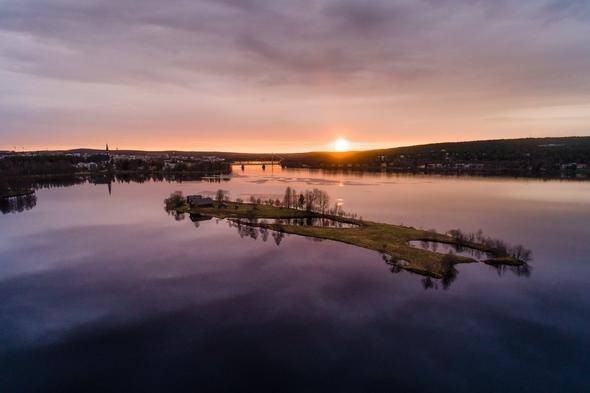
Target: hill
pixel 527 154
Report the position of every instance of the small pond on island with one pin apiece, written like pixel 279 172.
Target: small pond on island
pixel 445 248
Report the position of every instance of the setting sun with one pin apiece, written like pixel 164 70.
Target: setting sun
pixel 341 144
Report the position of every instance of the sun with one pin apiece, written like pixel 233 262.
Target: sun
pixel 341 144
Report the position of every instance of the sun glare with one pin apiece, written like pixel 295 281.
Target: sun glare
pixel 341 144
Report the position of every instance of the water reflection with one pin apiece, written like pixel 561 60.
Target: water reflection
pixel 253 232
pixel 183 309
pixel 445 248
pixel 107 179
pixel 18 204
pixel 523 270
pixel 322 222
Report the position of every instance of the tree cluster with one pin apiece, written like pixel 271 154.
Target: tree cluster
pixel 175 201
pixel 312 201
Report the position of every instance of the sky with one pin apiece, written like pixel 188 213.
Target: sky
pixel 284 76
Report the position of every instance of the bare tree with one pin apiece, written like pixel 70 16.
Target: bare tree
pixel 287 198
pixel 220 197
pixel 309 201
pixel 323 201
pixel 293 198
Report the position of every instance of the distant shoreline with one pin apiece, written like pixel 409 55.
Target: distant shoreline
pixel 556 157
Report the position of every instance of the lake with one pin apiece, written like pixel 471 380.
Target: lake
pixel 102 290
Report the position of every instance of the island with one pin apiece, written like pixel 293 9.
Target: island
pixel 307 214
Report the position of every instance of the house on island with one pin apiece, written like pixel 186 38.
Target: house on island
pixel 199 201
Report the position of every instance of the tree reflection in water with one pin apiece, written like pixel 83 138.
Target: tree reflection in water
pixel 523 270
pixel 18 204
pixel 177 216
pixel 253 232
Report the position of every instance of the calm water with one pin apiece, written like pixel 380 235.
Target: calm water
pixel 104 292
pixel 444 248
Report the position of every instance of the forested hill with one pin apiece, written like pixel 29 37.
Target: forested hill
pixel 534 154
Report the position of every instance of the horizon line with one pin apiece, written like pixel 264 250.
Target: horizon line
pixel 298 152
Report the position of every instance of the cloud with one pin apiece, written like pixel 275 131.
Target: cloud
pixel 499 53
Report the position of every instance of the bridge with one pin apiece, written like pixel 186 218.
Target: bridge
pixel 245 163
pixel 275 160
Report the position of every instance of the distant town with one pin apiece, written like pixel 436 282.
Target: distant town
pixel 93 161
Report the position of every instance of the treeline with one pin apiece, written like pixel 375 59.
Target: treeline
pixel 51 164
pixel 18 165
pixel 312 201
pixel 316 200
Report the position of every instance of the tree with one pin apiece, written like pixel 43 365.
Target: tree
pixel 253 201
pixel 220 197
pixel 521 253
pixel 323 201
pixel 301 201
pixel 287 202
pixel 318 201
pixel 309 201
pixel 4 189
pixel 293 198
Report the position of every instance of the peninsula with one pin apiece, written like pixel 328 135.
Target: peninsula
pixel 306 214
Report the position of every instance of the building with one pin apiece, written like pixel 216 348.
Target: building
pixel 199 201
pixel 572 166
pixel 211 159
pixel 91 166
pixel 171 165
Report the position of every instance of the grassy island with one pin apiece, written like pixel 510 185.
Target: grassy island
pixel 390 240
